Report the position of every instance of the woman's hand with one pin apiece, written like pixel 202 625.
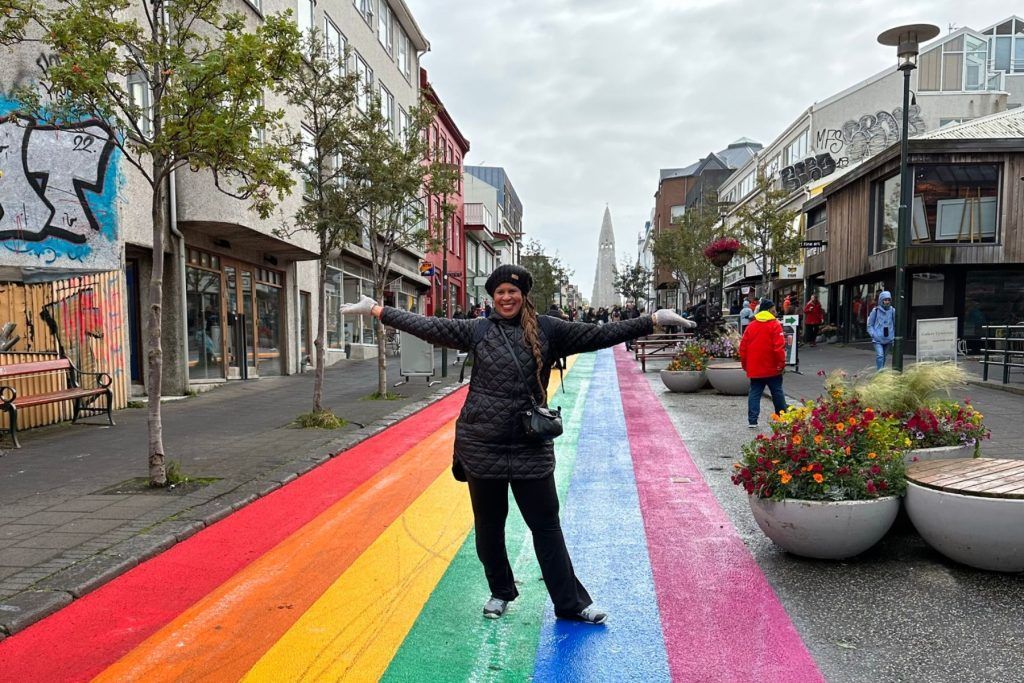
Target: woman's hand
pixel 668 317
pixel 365 306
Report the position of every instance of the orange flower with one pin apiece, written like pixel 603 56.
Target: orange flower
pixel 840 426
pixel 785 477
pixel 853 421
pixel 818 438
pixel 776 462
pixel 797 440
pixel 872 455
pixel 847 450
pixel 818 478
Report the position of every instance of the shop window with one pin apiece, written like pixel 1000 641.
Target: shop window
pixel 205 332
pixel 887 211
pixel 992 297
pixel 268 329
pixel 955 203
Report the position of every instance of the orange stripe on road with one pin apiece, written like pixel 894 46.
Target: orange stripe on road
pixel 223 635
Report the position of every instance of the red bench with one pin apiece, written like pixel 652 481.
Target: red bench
pixel 85 398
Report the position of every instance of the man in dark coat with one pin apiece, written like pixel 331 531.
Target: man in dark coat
pixel 492 450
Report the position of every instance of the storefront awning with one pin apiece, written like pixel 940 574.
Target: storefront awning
pixel 247 238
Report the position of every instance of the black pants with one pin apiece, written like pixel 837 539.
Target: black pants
pixel 538 502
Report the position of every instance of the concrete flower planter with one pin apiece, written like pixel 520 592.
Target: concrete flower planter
pixel 938 453
pixel 728 377
pixel 825 530
pixel 982 532
pixel 684 381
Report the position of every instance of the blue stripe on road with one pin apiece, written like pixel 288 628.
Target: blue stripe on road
pixel 605 534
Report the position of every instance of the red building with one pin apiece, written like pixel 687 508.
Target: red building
pixel 449 143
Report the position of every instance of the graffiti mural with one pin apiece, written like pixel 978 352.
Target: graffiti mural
pixel 57 194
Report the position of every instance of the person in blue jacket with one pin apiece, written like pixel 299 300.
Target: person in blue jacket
pixel 882 328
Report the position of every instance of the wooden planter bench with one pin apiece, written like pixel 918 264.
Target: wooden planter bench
pixel 84 398
pixel 657 346
pixel 970 509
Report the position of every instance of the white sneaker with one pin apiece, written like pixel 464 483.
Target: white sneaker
pixel 753 426
pixel 592 615
pixel 494 608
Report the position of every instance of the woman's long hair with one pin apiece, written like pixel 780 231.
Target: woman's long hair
pixel 531 335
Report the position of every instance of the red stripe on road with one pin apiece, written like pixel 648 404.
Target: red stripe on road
pixel 86 637
pixel 721 619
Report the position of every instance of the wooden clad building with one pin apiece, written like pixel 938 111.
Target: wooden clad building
pixel 965 248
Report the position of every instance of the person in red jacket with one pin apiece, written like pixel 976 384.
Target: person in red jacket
pixel 814 316
pixel 763 355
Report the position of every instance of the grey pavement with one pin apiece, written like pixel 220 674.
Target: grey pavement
pixel 899 612
pixel 68 523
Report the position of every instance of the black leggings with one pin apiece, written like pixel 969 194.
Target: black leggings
pixel 538 502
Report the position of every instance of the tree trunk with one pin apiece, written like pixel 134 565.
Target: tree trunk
pixel 382 360
pixel 155 353
pixel 321 333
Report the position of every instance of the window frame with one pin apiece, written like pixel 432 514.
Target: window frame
pixel 139 80
pixel 364 82
pixel 386 97
pixel 342 46
pixel 385 24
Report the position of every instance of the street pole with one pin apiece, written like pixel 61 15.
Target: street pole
pixel 906 197
pixel 444 291
pixel 906 40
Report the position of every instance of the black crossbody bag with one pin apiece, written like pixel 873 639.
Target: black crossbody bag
pixel 540 422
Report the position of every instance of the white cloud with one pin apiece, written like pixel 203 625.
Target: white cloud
pixel 582 101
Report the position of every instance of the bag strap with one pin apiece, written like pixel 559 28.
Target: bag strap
pixel 479 332
pixel 519 366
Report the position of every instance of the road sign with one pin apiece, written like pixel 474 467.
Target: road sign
pixel 791 328
pixel 813 244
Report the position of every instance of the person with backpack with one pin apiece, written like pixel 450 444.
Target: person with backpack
pixel 763 355
pixel 882 328
pixel 500 442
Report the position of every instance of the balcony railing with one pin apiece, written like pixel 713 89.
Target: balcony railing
pixel 478 214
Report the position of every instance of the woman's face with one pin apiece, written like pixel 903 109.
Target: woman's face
pixel 508 300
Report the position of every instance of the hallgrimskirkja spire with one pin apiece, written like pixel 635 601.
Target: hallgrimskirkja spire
pixel 604 279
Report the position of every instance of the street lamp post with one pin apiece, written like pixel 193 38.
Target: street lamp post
pixel 906 40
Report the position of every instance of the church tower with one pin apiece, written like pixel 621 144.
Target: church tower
pixel 604 287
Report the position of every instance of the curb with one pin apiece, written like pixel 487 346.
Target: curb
pixel 998 386
pixel 155 535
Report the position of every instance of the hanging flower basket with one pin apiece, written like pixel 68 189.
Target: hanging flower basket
pixel 721 251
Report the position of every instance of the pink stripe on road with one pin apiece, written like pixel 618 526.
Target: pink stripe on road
pixel 721 619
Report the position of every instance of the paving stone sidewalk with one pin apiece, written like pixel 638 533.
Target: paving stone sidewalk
pixel 63 533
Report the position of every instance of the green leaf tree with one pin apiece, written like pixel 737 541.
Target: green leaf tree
pixel 15 18
pixel 549 274
pixel 202 74
pixel 765 228
pixel 392 174
pixel 680 249
pixel 632 280
pixel 323 94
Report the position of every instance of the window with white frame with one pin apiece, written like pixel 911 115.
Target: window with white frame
pixel 256 4
pixel 141 97
pixel 364 80
pixel 404 52
pixel 307 154
pixel 746 185
pixel 387 107
pixel 798 149
pixel 384 31
pixel 676 212
pixel 334 45
pixel 258 133
pixel 304 16
pixel 365 8
pixel 403 122
pixel 1006 46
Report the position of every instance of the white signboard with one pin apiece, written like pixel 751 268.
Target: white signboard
pixel 416 358
pixel 936 339
pixel 791 328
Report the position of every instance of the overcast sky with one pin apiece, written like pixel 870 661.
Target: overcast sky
pixel 582 101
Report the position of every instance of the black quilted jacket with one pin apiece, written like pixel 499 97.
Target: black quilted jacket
pixel 489 441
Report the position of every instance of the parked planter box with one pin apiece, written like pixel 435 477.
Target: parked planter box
pixel 825 530
pixel 684 381
pixel 938 453
pixel 979 531
pixel 728 377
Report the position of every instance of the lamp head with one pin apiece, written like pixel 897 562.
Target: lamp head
pixel 907 41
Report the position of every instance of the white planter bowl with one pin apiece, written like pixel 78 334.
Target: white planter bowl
pixel 938 453
pixel 684 381
pixel 825 530
pixel 729 377
pixel 981 532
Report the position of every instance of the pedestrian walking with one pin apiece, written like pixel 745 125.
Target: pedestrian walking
pixel 814 316
pixel 763 355
pixel 493 450
pixel 882 328
pixel 747 315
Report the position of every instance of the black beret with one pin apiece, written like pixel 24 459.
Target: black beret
pixel 513 275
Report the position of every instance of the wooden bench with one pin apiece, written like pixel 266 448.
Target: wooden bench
pixel 658 346
pixel 970 510
pixel 84 398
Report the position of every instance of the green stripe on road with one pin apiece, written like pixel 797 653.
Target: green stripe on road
pixel 450 640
